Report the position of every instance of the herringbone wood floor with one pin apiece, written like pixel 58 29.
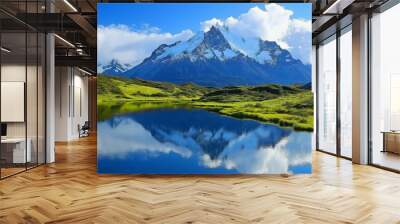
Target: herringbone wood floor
pixel 70 191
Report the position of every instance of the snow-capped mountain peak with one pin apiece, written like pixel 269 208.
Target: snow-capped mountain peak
pixel 263 51
pixel 202 46
pixel 215 39
pixel 113 68
pixel 219 57
pixel 221 44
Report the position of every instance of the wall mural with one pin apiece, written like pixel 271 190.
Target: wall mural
pixel 203 88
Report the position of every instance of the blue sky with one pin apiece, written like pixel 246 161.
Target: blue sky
pixel 130 32
pixel 175 17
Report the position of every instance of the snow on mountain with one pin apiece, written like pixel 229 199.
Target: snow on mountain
pixel 263 57
pixel 248 46
pixel 182 48
pixel 219 57
pixel 113 68
pixel 200 47
pixel 262 51
pixel 225 46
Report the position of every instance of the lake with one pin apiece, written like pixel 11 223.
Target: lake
pixel 195 141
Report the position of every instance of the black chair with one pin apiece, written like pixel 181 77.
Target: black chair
pixel 84 130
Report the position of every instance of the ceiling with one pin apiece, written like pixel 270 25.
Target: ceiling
pixel 73 21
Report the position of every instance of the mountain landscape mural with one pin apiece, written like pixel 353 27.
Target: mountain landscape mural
pixel 221 92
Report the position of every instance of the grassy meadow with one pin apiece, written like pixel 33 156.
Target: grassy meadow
pixel 290 106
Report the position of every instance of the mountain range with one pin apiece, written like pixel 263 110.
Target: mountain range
pixel 217 58
pixel 113 68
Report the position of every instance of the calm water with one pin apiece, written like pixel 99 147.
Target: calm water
pixel 183 141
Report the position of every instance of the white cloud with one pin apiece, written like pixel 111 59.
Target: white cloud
pixel 273 23
pixel 231 21
pixel 132 46
pixel 243 154
pixel 210 163
pixel 270 23
pixel 299 39
pixel 300 25
pixel 128 136
pixel 206 25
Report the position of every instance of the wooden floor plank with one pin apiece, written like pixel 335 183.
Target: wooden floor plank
pixel 70 191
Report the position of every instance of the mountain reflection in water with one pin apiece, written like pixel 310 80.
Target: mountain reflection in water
pixel 193 141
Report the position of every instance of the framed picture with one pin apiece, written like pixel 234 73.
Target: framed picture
pixel 204 88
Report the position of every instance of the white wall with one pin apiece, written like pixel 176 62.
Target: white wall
pixel 71 102
pixel 62 82
pixel 13 72
pixel 80 104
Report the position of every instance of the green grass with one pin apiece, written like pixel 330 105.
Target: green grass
pixel 283 105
